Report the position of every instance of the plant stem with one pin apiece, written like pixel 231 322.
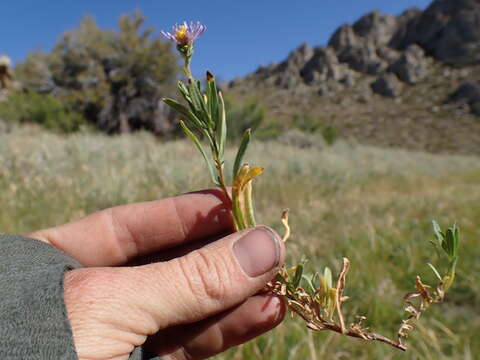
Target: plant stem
pixel 336 328
pixel 219 164
pixel 186 68
pixel 221 178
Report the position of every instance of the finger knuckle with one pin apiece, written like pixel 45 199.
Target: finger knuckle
pixel 208 276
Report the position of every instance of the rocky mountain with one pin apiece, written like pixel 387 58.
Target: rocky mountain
pixel 411 80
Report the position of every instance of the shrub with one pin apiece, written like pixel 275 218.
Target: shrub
pixel 310 124
pixel 242 116
pixel 44 110
pixel 115 79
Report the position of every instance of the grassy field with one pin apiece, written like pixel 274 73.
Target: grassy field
pixel 371 205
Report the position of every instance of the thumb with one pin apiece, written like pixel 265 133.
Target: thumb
pixel 127 304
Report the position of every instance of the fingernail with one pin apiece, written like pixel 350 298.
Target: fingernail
pixel 258 251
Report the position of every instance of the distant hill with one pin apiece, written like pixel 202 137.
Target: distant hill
pixel 410 81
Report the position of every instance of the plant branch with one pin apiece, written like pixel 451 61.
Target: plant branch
pixel 309 309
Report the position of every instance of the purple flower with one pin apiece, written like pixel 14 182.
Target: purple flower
pixel 186 33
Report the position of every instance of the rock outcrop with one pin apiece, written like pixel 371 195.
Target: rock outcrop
pixel 357 45
pixel 412 66
pixel 468 92
pixel 410 81
pixel 387 85
pixel 448 30
pixel 288 72
pixel 390 49
pixel 323 66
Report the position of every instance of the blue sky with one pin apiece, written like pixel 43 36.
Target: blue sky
pixel 241 35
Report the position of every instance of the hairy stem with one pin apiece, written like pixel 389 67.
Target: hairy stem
pixel 186 68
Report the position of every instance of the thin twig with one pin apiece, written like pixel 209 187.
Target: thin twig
pixel 340 288
pixel 320 325
pixel 285 225
pixel 308 308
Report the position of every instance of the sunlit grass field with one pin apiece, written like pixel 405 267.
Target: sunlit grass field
pixel 373 206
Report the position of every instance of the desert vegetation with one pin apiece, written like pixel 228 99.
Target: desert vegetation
pixel 371 205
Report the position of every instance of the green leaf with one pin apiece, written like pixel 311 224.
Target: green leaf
pixel 280 278
pixel 323 288
pixel 438 233
pixel 435 271
pixel 196 98
pixel 249 207
pixel 327 274
pixel 184 91
pixel 315 279
pixel 449 243
pixel 212 95
pixel 453 265
pixel 238 214
pixel 222 126
pixel 199 106
pixel 199 146
pixel 241 151
pixel 298 275
pixel 182 109
pixel 309 280
pixel 456 239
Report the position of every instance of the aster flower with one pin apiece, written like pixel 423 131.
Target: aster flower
pixel 184 34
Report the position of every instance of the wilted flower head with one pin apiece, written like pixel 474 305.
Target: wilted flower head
pixel 184 34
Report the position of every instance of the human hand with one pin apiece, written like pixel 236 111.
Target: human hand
pixel 169 275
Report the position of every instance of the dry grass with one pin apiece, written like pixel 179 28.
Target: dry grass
pixel 373 206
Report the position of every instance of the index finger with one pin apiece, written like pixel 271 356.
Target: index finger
pixel 117 235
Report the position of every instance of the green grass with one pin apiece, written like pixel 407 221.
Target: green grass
pixel 371 205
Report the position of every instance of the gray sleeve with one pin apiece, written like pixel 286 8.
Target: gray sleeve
pixel 33 318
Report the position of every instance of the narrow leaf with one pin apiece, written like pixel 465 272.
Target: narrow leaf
pixel 453 265
pixel 222 126
pixel 212 94
pixel 327 274
pixel 199 105
pixel 196 98
pixel 237 200
pixel 250 221
pixel 456 239
pixel 182 109
pixel 438 232
pixel 309 280
pixel 184 91
pixel 249 175
pixel 323 288
pixel 241 152
pixel 448 243
pixel 435 271
pixel 298 275
pixel 199 146
pixel 242 194
pixel 239 180
pixel 238 214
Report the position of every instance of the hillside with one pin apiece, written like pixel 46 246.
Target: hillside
pixel 409 81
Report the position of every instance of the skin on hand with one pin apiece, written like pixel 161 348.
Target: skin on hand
pixel 169 275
